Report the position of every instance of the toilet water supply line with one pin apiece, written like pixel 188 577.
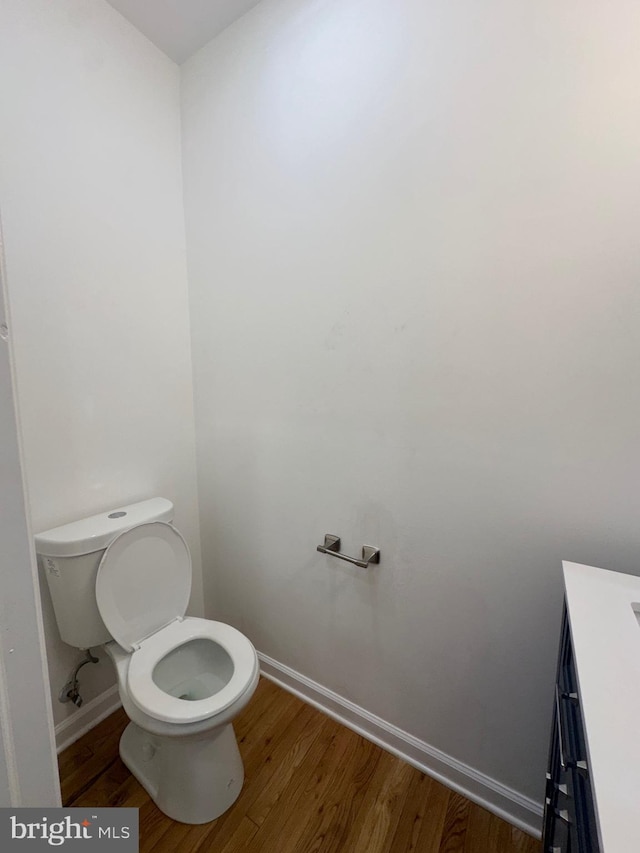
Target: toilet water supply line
pixel 71 691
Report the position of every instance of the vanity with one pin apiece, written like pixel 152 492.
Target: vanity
pixel 592 796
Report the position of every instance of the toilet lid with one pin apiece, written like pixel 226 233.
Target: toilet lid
pixel 143 582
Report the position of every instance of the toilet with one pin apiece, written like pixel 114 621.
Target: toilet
pixel 122 579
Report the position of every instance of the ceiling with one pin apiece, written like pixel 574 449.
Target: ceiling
pixel 181 27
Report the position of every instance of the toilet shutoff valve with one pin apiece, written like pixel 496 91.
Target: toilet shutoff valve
pixel 71 691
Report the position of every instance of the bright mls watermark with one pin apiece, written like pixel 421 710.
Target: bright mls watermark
pixel 108 830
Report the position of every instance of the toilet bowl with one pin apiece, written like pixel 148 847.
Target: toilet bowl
pixel 156 726
pixel 192 769
pixel 181 689
pixel 190 671
pixel 181 679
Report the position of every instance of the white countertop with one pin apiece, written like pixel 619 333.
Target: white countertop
pixel 606 642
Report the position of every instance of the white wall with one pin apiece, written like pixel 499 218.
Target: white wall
pixel 28 769
pixel 413 259
pixel 90 185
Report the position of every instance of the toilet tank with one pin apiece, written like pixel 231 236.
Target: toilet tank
pixel 69 557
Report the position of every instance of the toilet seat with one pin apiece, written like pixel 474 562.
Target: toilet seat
pixel 143 582
pixel 142 591
pixel 151 699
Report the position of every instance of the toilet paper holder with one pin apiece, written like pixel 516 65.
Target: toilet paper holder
pixel 331 546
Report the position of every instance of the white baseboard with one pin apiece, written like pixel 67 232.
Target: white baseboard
pixel 508 804
pixel 86 717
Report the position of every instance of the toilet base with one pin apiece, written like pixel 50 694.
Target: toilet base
pixel 190 779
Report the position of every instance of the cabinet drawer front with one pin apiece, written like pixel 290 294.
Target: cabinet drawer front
pixel 570 821
pixel 559 836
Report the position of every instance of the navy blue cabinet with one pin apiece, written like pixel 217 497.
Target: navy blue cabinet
pixel 569 813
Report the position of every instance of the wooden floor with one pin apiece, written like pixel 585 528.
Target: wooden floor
pixel 311 786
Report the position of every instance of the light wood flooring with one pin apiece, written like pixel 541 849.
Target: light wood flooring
pixel 311 786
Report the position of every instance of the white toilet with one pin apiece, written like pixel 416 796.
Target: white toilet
pixel 123 579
